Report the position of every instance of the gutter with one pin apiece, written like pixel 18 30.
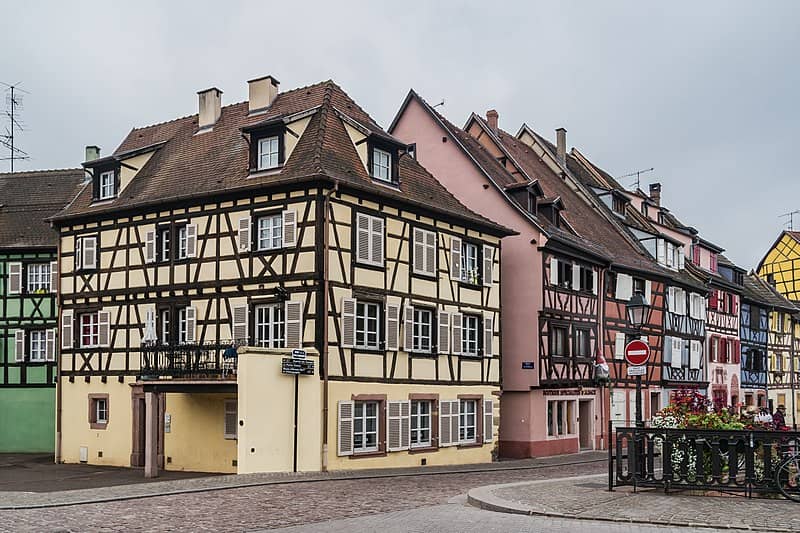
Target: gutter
pixel 325 306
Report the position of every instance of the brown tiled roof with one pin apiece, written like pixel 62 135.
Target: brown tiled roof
pixel 28 198
pixel 189 165
pixel 759 291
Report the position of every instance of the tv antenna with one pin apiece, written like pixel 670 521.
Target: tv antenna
pixel 637 174
pixel 437 105
pixel 14 105
pixel 790 218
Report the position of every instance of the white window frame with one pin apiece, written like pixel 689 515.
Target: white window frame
pixel 37 352
pixel 470 263
pixel 272 156
pixel 374 230
pixel 425 244
pixel 568 423
pixel 361 420
pixel 464 423
pixel 466 327
pixel 94 333
pixel 418 336
pixel 100 411
pixel 362 315
pixel 272 225
pixel 182 325
pixel 419 423
pixel 268 317
pixel 39 278
pixel 182 242
pixel 381 165
pixel 107 187
pixel 164 235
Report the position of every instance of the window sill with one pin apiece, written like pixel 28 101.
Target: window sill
pixel 470 285
pixel 359 455
pixel 372 266
pixel 369 351
pixel 102 201
pixel 264 172
pixel 425 275
pixel 386 183
pixel 466 445
pixel 423 449
pixel 414 353
pixel 96 425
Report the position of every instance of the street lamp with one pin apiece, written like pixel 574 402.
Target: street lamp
pixel 637 310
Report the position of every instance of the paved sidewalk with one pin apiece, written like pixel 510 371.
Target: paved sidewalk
pixel 33 500
pixel 587 498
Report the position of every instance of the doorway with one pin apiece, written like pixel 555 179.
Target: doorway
pixel 655 403
pixel 585 425
pixel 139 422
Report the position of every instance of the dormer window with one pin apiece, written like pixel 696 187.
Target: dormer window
pixel 381 164
pixel 618 205
pixel 268 152
pixel 108 187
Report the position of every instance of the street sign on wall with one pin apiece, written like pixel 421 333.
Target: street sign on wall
pixel 637 352
pixel 637 370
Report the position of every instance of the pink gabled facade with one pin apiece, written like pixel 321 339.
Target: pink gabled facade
pixel 549 404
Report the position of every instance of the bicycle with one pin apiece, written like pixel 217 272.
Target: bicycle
pixel 787 476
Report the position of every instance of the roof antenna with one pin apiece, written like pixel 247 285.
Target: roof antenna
pixel 790 218
pixel 637 174
pixel 437 105
pixel 13 107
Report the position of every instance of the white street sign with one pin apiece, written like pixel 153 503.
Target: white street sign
pixel 639 370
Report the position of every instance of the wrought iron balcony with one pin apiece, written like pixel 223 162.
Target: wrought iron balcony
pixel 193 360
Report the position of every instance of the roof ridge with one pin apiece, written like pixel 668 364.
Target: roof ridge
pixel 336 86
pixel 19 173
pixel 323 117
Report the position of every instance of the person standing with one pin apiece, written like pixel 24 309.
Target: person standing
pixel 779 418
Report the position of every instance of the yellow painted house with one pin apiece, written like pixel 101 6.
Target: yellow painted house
pixel 275 285
pixel 781 268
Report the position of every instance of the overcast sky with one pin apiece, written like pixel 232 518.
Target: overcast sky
pixel 705 92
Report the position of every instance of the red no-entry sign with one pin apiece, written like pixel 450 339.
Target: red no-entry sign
pixel 637 352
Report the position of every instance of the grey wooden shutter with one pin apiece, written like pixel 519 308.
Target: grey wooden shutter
pixel 289 217
pixel 150 246
pixel 54 277
pixel 244 234
pixel 191 324
pixel 455 406
pixel 392 326
pixel 488 420
pixel 104 328
pixel 66 329
pixel 430 253
pixel 405 424
pixel 488 335
pixel 455 258
pixel 394 431
pixel 455 326
pixel 19 345
pixel 554 271
pixel 239 328
pixel 345 428
pixel 445 436
pixel 89 252
pixel 348 322
pixel 408 329
pixel 419 251
pixel 362 238
pixel 376 238
pixel 50 346
pixel 488 265
pixel 14 278
pixel 444 333
pixel 231 419
pixel 294 324
pixel 78 253
pixel 191 240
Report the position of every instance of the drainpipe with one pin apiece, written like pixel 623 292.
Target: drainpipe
pixel 792 369
pixel 601 297
pixel 326 306
pixel 57 458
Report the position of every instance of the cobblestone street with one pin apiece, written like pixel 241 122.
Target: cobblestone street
pixel 274 506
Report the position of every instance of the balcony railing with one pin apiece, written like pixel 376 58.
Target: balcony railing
pixel 211 359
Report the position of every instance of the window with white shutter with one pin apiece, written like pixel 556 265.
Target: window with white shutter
pixel 455 327
pixel 19 345
pixel 239 325
pixel 595 286
pixel 87 253
pixel 104 328
pixel 424 252
pixel 624 287
pixel 190 333
pixel 289 227
pixel 294 324
pixel 444 333
pixel 554 272
pixel 488 265
pixel 150 334
pixel 448 423
pixel 455 258
pixel 150 246
pixel 488 335
pixel 576 276
pixel 244 234
pixel 398 426
pixel 14 278
pixel 344 431
pixel 348 324
pixel 369 239
pixel 392 326
pixel 619 346
pixel 408 329
pixel 677 352
pixel 488 420
pixel 191 240
pixel 50 348
pixel 695 351
pixel 66 329
pixel 54 277
pixel 231 419
pixel 648 291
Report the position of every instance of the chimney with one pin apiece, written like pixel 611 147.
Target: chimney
pixel 491 119
pixel 263 92
pixel 655 193
pixel 561 145
pixel 210 102
pixel 92 153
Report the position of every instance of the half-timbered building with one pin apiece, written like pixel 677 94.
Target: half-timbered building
pixel 781 364
pixel 28 305
pixel 288 225
pixel 753 326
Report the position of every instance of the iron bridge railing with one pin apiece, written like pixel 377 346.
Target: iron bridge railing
pixel 698 459
pixel 188 360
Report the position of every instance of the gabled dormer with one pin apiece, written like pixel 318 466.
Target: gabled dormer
pixel 379 152
pixel 267 145
pixel 550 209
pixel 110 175
pixel 526 195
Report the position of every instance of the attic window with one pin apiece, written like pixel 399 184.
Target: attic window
pixel 267 148
pixel 108 187
pixel 381 164
pixel 268 152
pixel 618 205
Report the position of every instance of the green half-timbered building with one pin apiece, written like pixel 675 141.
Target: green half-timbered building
pixel 28 305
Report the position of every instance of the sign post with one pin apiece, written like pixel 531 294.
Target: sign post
pixel 296 365
pixel 637 353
